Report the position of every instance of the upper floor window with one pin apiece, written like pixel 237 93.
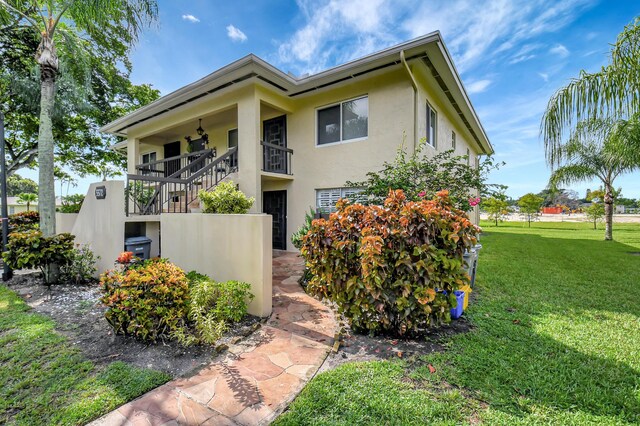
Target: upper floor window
pixel 345 121
pixel 148 158
pixel 453 140
pixel 432 122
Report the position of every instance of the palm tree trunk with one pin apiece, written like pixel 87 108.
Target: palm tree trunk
pixel 48 62
pixel 608 212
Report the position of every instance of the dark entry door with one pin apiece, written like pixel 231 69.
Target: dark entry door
pixel 274 132
pixel 171 150
pixel 275 204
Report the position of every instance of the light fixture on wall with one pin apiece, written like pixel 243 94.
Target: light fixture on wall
pixel 201 133
pixel 200 130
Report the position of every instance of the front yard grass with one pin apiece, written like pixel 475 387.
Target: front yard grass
pixel 43 380
pixel 556 341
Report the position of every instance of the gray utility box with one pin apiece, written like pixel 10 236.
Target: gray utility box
pixel 139 246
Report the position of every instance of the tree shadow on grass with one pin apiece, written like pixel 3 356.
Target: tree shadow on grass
pixel 550 339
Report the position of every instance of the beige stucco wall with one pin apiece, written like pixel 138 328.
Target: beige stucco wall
pixel 100 223
pixel 65 222
pixel 393 119
pixel 225 247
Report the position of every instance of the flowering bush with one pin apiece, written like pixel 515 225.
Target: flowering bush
pixel 387 267
pixel 147 300
pixel 421 175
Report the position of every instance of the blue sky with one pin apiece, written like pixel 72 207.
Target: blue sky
pixel 512 54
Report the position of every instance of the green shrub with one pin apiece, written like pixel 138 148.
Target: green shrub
pixel 296 238
pixel 385 266
pixel 232 299
pixel 225 199
pixel 24 221
pixel 148 300
pixel 81 267
pixel 72 203
pixel 212 305
pixel 139 193
pixel 30 249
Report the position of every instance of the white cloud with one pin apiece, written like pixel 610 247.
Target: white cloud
pixel 338 31
pixel 235 34
pixel 544 76
pixel 334 31
pixel 478 86
pixel 559 50
pixel 190 18
pixel 475 34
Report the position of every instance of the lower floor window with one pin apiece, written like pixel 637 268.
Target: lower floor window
pixel 326 199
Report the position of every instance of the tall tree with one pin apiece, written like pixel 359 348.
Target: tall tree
pixel 71 27
pixel 16 184
pixel 530 205
pixel 611 93
pixel 592 153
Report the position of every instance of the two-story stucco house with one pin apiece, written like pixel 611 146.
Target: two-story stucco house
pixel 292 143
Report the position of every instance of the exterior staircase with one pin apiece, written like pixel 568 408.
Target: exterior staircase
pixel 172 185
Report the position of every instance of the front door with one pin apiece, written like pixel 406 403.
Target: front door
pixel 274 133
pixel 275 204
pixel 171 150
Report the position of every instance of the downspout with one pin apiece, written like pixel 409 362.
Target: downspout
pixel 415 100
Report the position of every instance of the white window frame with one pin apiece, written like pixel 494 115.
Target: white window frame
pixel 146 173
pixel 229 139
pixel 341 192
pixel 341 141
pixel 149 154
pixel 430 109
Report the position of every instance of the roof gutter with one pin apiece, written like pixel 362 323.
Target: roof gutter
pixel 415 100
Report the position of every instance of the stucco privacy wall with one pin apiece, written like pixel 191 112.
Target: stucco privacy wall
pixel 65 222
pixel 100 223
pixel 225 247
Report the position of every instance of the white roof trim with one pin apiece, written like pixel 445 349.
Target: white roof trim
pixel 252 66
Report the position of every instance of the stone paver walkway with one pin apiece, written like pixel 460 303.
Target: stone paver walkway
pixel 257 378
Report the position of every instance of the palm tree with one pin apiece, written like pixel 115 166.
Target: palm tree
pixel 27 198
pixel 611 93
pixel 66 24
pixel 593 152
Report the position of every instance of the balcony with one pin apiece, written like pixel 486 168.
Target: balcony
pixel 276 159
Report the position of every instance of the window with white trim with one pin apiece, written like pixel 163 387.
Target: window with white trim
pixel 432 123
pixel 148 158
pixel 345 121
pixel 326 199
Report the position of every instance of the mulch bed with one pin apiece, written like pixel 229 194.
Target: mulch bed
pixel 80 316
pixel 359 347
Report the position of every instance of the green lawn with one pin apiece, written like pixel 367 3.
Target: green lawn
pixel 44 381
pixel 556 341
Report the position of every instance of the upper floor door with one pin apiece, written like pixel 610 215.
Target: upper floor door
pixel 274 133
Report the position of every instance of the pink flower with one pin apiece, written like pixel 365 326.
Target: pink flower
pixel 422 194
pixel 474 201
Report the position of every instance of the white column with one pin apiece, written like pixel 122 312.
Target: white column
pixel 133 154
pixel 249 149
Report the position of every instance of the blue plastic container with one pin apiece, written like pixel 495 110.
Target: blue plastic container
pixel 457 311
